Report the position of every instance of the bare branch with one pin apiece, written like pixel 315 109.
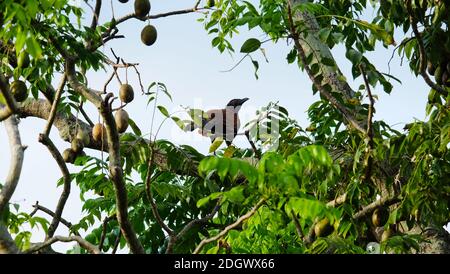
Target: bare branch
pixel 51 117
pixel 82 242
pixel 86 117
pixel 384 201
pixel 37 207
pixel 66 189
pixel 96 13
pixel 104 230
pixel 17 154
pixel 230 227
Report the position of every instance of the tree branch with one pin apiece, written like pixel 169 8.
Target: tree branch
pixel 45 140
pixel 82 242
pixel 302 56
pixel 68 224
pixel 116 175
pixel 105 223
pixel 369 131
pixel 11 106
pixel 57 97
pixel 190 225
pixel 7 244
pixel 384 201
pixel 17 154
pixel 423 55
pixel 230 227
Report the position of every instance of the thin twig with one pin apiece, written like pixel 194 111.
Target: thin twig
pixel 86 117
pixel 298 227
pixel 230 227
pixel 82 242
pixel 68 224
pixel 54 108
pixel 104 230
pixel 148 183
pixel 369 132
pixel 66 188
pixel 191 224
pixel 116 243
pixel 423 56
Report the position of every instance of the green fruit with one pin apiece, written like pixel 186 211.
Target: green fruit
pixel 380 216
pixel 126 93
pixel 83 136
pixel 23 61
pixel 77 145
pixel 141 8
pixel 69 156
pixel 323 228
pixel 19 90
pixel 438 75
pixel 99 132
pixel 121 117
pixel 431 68
pixel 210 3
pixel 149 35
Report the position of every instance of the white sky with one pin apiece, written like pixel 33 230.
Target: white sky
pixel 184 60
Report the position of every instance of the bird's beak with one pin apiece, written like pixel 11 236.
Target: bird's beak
pixel 244 100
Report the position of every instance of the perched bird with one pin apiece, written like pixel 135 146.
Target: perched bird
pixel 220 122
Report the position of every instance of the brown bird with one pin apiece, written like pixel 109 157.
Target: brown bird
pixel 223 123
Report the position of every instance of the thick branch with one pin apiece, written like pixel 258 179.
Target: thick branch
pixel 67 127
pixel 17 153
pixel 384 201
pixel 82 242
pixel 116 175
pixel 7 244
pixel 230 227
pixel 311 44
pixel 318 84
pixel 91 95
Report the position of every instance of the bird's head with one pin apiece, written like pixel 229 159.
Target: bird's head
pixel 236 103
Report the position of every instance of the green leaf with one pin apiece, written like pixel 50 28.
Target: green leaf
pixel 134 127
pixel 33 47
pixel 164 111
pixel 354 56
pixel 250 45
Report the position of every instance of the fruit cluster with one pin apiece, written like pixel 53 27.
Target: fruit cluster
pixel 141 10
